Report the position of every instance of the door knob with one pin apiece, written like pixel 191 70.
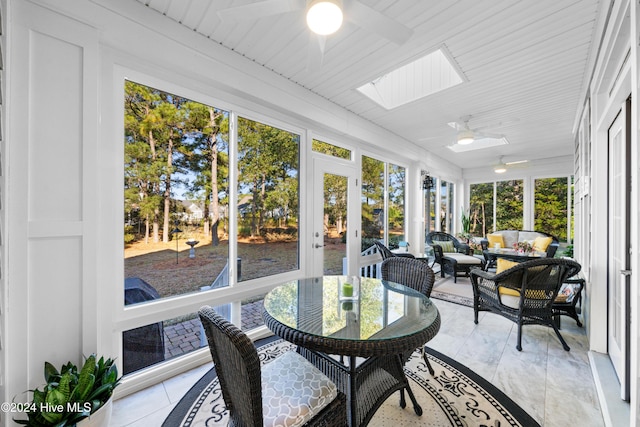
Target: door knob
pixel 318 245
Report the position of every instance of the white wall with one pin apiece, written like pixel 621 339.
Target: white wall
pixel 51 160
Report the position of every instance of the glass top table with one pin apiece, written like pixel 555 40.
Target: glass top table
pixel 376 318
pixel 331 318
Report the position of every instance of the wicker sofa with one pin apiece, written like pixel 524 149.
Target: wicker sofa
pixel 510 237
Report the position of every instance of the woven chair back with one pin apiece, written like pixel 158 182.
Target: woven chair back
pixel 238 368
pixel 540 280
pixel 410 272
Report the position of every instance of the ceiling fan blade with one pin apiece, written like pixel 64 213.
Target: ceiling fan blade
pixel 498 124
pixel 517 162
pixel 374 21
pixel 479 135
pixel 456 125
pixel 259 9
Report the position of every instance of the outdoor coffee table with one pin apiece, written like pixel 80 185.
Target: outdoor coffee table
pixel 381 321
pixel 491 254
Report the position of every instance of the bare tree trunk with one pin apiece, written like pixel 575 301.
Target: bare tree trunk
pixel 326 223
pixel 156 226
pixel 146 230
pixel 167 192
pixel 205 222
pixel 215 201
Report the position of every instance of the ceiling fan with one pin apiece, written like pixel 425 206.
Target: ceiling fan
pixel 466 135
pixel 321 12
pixel 503 166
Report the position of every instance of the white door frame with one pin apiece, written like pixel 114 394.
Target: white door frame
pixel 618 259
pixel 323 164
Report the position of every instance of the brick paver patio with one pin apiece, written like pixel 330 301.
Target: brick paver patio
pixel 185 336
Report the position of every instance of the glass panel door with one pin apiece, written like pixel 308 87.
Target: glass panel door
pixel 334 186
pixel 334 223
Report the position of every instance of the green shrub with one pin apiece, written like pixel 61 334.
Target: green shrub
pixel 244 231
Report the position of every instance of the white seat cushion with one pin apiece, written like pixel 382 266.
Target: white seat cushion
pixel 463 259
pixel 293 391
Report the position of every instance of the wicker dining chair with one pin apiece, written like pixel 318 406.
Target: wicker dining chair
pixel 386 253
pixel 524 293
pixel 416 275
pixel 288 391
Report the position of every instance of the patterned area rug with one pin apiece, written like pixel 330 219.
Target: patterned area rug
pixel 458 293
pixel 454 396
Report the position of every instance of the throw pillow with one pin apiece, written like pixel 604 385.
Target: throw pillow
pixel 495 238
pixel 541 244
pixel 503 290
pixel 446 246
pixel 504 264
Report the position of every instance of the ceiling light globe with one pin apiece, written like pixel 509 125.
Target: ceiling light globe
pixel 500 169
pixel 465 137
pixel 324 17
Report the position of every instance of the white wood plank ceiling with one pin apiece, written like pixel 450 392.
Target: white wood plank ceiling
pixel 525 63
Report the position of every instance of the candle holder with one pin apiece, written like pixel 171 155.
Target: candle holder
pixel 349 288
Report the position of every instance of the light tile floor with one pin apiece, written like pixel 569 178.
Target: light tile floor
pixel 554 386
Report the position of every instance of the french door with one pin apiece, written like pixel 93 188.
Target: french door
pixel 335 222
pixel 619 245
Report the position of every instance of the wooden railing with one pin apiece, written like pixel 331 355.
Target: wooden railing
pixel 369 263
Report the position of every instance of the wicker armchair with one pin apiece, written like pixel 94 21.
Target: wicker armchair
pixel 254 396
pixel 460 260
pixel 412 273
pixel 524 293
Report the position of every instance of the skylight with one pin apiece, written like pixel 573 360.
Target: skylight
pixel 424 76
pixel 478 144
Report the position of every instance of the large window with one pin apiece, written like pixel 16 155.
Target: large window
pixel 396 205
pixel 496 206
pixel 551 207
pixel 382 218
pixel 330 149
pixel 268 202
pixel 446 206
pixel 176 194
pixel 509 204
pixel 481 209
pixel 502 203
pixel 175 218
pixel 429 199
pixel 372 200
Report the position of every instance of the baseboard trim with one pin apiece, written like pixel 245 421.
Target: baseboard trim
pixel 615 411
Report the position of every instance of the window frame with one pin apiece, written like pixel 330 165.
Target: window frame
pixel 385 179
pixel 116 318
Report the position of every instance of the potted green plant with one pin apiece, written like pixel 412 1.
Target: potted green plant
pixel 465 219
pixel 73 397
